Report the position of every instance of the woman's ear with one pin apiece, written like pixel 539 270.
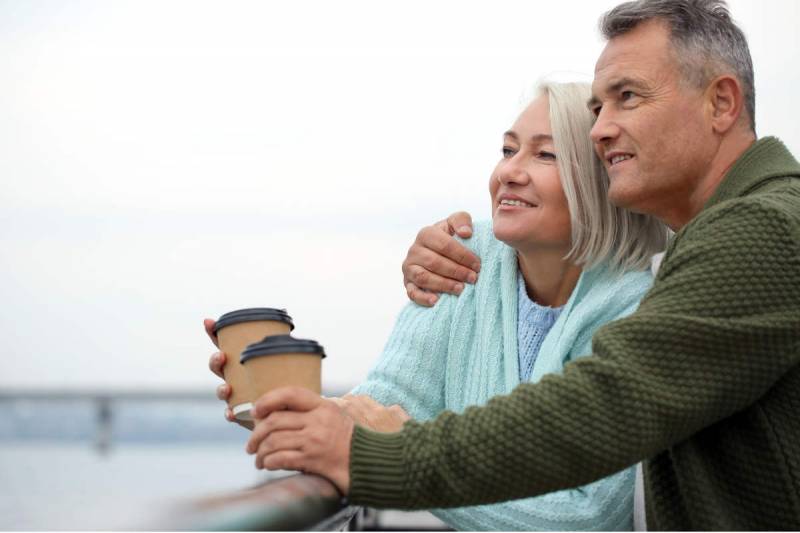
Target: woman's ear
pixel 725 102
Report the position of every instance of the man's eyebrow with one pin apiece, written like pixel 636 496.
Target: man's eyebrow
pixel 615 86
pixel 511 134
pixel 622 82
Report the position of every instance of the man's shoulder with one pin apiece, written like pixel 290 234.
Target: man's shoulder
pixel 770 213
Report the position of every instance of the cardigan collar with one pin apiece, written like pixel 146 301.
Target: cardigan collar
pixel 765 160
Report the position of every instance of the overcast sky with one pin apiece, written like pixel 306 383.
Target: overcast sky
pixel 166 161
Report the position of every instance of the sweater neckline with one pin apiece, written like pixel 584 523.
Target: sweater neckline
pixel 766 159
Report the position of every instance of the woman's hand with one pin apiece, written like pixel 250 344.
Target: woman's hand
pixel 438 263
pixel 372 415
pixel 297 429
pixel 216 364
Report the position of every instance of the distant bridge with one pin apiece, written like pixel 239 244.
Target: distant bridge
pixel 104 399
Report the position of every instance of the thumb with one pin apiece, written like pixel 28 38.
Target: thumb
pixel 460 223
pixel 286 399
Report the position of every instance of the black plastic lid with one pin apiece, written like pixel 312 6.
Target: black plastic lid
pixel 281 344
pixel 253 314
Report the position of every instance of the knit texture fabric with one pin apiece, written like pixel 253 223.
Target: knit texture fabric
pixel 702 381
pixel 463 351
pixel 533 323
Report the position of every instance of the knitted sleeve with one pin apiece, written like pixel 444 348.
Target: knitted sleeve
pixel 720 326
pixel 411 370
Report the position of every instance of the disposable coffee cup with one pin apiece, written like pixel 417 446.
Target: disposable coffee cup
pixel 236 330
pixel 282 360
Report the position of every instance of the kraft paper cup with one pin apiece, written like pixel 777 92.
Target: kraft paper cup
pixel 236 330
pixel 282 360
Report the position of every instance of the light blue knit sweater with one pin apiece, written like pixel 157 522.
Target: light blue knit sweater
pixel 463 351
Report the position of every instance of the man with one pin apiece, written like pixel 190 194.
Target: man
pixel 702 383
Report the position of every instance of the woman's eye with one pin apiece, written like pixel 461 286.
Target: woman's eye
pixel 547 155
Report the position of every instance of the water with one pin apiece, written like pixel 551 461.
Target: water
pixel 69 486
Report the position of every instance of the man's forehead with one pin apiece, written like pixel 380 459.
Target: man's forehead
pixel 633 55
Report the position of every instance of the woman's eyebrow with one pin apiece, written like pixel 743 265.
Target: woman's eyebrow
pixel 541 137
pixel 536 137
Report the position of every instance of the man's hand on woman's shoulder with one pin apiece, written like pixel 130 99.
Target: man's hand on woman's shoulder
pixel 437 263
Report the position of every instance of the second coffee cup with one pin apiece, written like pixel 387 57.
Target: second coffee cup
pixel 282 360
pixel 237 329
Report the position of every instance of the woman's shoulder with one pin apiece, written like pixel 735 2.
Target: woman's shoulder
pixel 615 287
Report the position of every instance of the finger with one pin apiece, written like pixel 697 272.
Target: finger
pixel 460 223
pixel 277 421
pixel 442 243
pixel 443 266
pixel 338 401
pixel 417 295
pixel 286 398
pixel 223 392
pixel 444 225
pixel 433 281
pixel 208 324
pixel 279 441
pixel 285 460
pixel 367 401
pixel 216 362
pixel 229 415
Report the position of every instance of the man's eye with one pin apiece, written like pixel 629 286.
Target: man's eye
pixel 508 152
pixel 626 95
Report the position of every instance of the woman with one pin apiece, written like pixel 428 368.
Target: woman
pixel 558 261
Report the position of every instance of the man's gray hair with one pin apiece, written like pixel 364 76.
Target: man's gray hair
pixel 705 39
pixel 601 232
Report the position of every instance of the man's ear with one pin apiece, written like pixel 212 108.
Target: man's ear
pixel 725 102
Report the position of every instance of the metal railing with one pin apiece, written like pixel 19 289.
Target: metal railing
pixel 293 503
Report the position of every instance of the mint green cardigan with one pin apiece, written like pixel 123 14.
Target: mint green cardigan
pixel 463 351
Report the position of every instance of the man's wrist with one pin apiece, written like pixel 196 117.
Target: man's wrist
pixel 377 469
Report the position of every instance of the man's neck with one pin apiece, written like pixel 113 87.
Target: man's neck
pixel 689 205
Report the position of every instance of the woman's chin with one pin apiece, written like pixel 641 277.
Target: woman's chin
pixel 510 235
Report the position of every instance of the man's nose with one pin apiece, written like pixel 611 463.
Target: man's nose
pixel 605 127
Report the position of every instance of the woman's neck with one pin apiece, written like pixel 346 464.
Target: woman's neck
pixel 549 278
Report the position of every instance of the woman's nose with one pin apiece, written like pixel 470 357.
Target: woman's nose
pixel 513 172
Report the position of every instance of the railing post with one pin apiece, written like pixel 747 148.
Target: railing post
pixel 102 442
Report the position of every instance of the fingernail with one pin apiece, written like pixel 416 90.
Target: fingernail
pixel 472 277
pixel 463 229
pixel 476 266
pixel 458 287
pixel 433 299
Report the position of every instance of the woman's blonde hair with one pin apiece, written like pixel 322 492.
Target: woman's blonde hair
pixel 600 231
